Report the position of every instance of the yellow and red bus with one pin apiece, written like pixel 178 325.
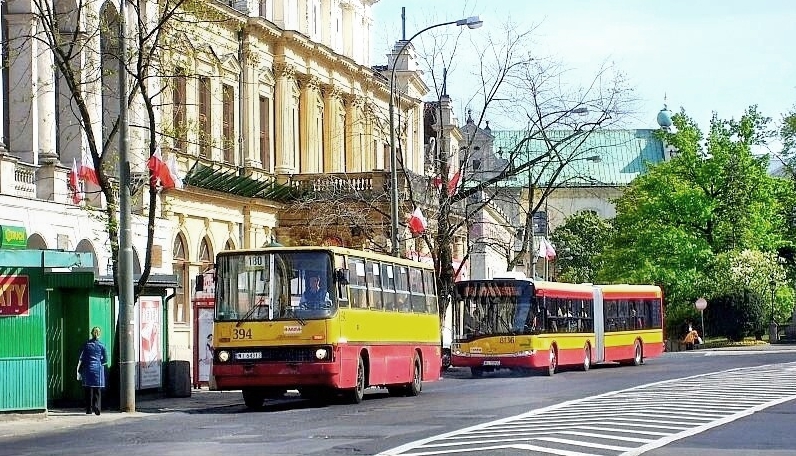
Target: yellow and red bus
pixel 378 325
pixel 518 323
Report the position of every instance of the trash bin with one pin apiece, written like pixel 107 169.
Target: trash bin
pixel 179 379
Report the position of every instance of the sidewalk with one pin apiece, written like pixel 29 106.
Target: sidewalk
pixel 20 424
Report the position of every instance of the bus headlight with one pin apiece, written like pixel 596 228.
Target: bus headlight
pixel 223 356
pixel 321 353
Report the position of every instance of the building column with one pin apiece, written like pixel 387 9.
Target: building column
pixel 310 153
pixel 284 120
pixel 353 142
pixel 332 130
pixel 32 98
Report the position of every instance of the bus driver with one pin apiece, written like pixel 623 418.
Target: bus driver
pixel 315 297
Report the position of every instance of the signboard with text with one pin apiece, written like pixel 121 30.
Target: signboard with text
pixel 14 296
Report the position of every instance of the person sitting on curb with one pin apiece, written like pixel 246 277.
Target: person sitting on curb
pixel 691 339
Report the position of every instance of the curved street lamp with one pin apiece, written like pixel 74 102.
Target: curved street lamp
pixel 472 22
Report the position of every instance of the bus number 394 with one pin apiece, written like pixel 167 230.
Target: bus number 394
pixel 242 334
pixel 507 340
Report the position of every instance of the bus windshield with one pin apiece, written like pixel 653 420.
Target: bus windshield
pixel 492 307
pixel 274 285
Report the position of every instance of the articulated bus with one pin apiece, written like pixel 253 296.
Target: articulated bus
pixel 523 324
pixel 376 323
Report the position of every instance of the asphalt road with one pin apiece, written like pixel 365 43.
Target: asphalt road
pixel 716 408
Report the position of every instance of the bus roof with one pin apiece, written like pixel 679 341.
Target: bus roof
pixel 618 291
pixel 332 249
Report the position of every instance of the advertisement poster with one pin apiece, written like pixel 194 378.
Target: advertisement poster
pixel 14 296
pixel 150 311
pixel 205 346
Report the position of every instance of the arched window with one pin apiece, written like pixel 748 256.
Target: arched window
pixel 180 267
pixel 205 254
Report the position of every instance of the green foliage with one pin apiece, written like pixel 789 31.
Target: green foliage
pixel 579 242
pixel 736 315
pixel 675 222
pixel 787 133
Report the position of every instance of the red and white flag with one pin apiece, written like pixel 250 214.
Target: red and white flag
pixel 453 184
pixel 87 171
pixel 74 182
pixel 546 249
pixel 417 222
pixel 162 173
pixel 171 164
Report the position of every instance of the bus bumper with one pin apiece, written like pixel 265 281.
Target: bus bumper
pixel 280 375
pixel 496 362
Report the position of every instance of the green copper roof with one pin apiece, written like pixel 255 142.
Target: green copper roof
pixel 623 155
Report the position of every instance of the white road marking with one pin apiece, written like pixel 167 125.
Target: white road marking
pixel 622 423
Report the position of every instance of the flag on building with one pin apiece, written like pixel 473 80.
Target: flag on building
pixel 453 184
pixel 171 164
pixel 163 173
pixel 417 222
pixel 74 182
pixel 87 171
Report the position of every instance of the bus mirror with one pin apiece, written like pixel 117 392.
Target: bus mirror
pixel 199 283
pixel 342 276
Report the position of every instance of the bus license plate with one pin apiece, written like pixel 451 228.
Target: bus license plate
pixel 491 363
pixel 248 355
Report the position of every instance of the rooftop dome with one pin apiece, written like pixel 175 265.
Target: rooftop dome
pixel 665 117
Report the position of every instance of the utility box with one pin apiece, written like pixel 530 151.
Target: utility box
pixel 179 379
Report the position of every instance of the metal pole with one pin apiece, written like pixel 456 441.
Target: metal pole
pixel 393 153
pixel 702 316
pixel 125 279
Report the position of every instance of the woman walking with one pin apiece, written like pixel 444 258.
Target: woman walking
pixel 91 369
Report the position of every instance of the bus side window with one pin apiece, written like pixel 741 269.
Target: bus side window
pixel 374 285
pixel 402 301
pixel 388 286
pixel 431 295
pixel 416 293
pixel 357 285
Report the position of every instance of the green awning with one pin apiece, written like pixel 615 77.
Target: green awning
pixel 221 179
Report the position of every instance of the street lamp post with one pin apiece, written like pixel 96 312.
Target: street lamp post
pixel 472 23
pixel 772 326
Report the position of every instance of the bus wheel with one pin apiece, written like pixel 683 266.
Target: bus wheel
pixel 416 386
pixel 356 394
pixel 586 358
pixel 553 365
pixel 638 357
pixel 476 372
pixel 253 398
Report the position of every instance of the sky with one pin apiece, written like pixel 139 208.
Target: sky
pixel 703 56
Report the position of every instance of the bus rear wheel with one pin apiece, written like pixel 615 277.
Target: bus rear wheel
pixel 553 364
pixel 416 385
pixel 638 355
pixel 356 394
pixel 476 372
pixel 586 358
pixel 253 398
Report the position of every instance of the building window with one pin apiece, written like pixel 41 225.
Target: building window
pixel 265 128
pixel 228 127
pixel 180 266
pixel 205 118
pixel 205 254
pixel 179 96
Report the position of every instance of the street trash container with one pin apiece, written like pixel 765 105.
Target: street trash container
pixel 179 379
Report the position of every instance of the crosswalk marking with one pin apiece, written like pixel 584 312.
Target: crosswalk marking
pixel 622 423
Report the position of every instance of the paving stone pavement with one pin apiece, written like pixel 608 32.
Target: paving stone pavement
pixel 18 424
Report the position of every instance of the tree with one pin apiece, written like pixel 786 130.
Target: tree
pixel 557 120
pixel 580 241
pixel 711 198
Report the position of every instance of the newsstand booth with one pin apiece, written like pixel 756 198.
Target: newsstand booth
pixel 39 333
